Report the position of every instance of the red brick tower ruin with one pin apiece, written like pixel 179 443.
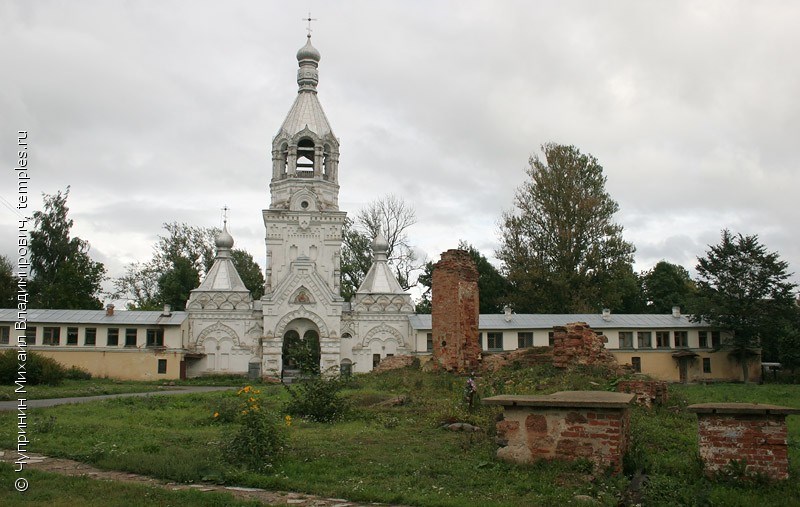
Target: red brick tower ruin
pixel 455 313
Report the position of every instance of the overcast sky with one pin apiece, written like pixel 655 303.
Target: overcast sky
pixel 164 111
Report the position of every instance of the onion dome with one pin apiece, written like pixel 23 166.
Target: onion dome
pixel 308 52
pixel 224 239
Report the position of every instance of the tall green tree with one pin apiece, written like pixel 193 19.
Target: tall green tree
pixel 63 273
pixel 745 290
pixel 356 258
pixel 560 248
pixel 8 284
pixel 251 273
pixel 668 285
pixel 175 284
pixel 492 286
pixel 142 282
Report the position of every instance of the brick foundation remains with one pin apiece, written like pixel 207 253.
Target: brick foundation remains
pixel 455 313
pixel 569 425
pixel 577 344
pixel 647 392
pixel 753 434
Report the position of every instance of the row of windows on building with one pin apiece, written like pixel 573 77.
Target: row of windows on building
pixel 644 339
pixel 51 335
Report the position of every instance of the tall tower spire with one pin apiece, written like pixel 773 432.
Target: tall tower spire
pixel 305 152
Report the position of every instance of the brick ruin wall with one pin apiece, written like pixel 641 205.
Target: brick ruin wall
pixel 577 344
pixel 759 440
pixel 455 312
pixel 648 392
pixel 597 434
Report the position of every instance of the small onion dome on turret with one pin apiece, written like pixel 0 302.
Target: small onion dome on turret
pixel 308 52
pixel 380 247
pixel 224 239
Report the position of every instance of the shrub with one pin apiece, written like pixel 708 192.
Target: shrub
pixel 260 440
pixel 77 373
pixel 318 399
pixel 39 369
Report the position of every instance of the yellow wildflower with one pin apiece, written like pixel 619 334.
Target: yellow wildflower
pixel 216 414
pixel 288 420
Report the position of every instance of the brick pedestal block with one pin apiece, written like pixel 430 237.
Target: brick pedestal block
pixel 568 425
pixel 751 433
pixel 455 311
pixel 647 392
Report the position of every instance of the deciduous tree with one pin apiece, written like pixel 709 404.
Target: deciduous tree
pixel 561 250
pixel 492 286
pixel 668 285
pixel 63 273
pixel 745 290
pixel 8 284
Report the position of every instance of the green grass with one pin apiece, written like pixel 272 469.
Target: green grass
pixel 399 454
pixel 74 388
pixel 55 490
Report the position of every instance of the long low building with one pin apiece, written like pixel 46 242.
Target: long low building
pixel 152 345
pixel 668 347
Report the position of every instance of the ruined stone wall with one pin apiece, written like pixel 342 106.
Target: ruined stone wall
pixel 759 440
pixel 648 392
pixel 597 434
pixel 455 312
pixel 576 343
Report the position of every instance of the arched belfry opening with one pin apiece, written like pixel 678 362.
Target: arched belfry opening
pixel 305 158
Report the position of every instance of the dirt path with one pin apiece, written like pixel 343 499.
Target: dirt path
pixel 76 468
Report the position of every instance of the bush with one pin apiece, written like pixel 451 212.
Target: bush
pixel 260 440
pixel 318 399
pixel 77 373
pixel 39 369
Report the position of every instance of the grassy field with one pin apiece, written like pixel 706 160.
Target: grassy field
pixel 399 454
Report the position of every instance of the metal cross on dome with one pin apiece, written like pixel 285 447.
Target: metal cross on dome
pixel 225 209
pixel 309 19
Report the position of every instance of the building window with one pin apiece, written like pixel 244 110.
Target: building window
pixel 51 336
pixel 644 339
pixel 155 338
pixel 626 339
pixel 162 366
pixel 5 335
pixel 662 339
pixel 376 360
pixel 494 341
pixel 551 338
pixel 90 336
pixel 113 337
pixel 703 335
pixel 130 337
pixel 706 365
pixel 636 362
pixel 72 336
pixel 525 339
pixel 30 335
pixel 480 341
pixel 429 342
pixel 681 339
pixel 716 340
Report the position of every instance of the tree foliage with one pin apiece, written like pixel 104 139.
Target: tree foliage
pixel 8 284
pixel 668 285
pixel 492 286
pixel 391 216
pixel 561 250
pixel 745 290
pixel 180 259
pixel 63 273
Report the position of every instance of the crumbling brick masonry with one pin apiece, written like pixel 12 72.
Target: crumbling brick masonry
pixel 647 392
pixel 576 344
pixel 455 313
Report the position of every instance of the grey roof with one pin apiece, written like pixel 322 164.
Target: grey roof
pixel 380 279
pixel 120 317
pixel 547 321
pixel 223 275
pixel 306 112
